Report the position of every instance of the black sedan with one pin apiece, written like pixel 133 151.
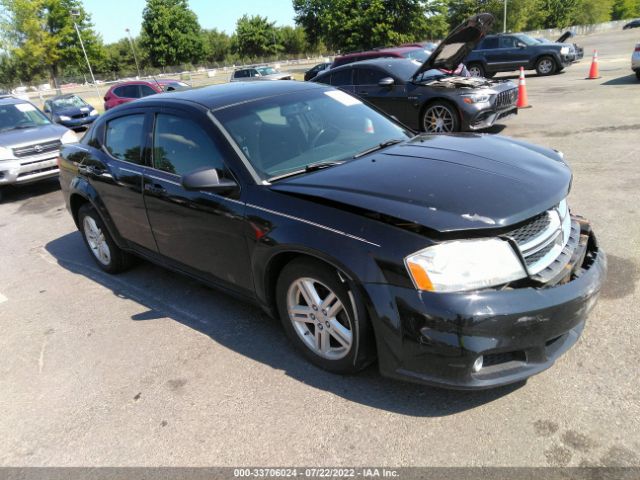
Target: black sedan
pixel 632 24
pixel 70 110
pixel 315 70
pixel 425 96
pixel 453 260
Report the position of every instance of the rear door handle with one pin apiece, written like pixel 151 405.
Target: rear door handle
pixel 155 189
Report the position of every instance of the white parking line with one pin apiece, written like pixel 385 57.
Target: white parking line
pixel 3 298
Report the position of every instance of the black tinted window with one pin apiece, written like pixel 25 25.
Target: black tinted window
pixel 147 90
pixel 123 138
pixel 343 77
pixel 127 91
pixel 240 74
pixel 369 76
pixel 508 42
pixel 181 146
pixel 488 43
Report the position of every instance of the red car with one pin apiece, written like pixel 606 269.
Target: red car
pixel 413 53
pixel 127 91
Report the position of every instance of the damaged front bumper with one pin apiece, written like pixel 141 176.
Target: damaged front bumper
pixel 437 338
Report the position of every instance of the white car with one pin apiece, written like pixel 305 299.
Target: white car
pixel 635 60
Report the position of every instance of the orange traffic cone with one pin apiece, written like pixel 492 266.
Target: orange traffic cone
pixel 523 100
pixel 594 72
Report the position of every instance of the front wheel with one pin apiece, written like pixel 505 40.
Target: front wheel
pixel 476 70
pixel 323 317
pixel 104 251
pixel 440 117
pixel 545 66
pixel 638 74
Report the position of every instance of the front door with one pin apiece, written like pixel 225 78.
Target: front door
pixel 199 230
pixel 391 99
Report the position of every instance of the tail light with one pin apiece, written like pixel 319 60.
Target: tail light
pixel 638 48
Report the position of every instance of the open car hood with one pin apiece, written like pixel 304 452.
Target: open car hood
pixel 565 36
pixel 460 42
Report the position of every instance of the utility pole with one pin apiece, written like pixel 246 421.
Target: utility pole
pixel 75 14
pixel 504 29
pixel 133 50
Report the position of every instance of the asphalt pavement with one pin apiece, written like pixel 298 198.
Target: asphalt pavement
pixel 149 368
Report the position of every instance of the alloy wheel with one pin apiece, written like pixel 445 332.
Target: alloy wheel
pixel 438 119
pixel 319 318
pixel 545 66
pixel 96 240
pixel 475 71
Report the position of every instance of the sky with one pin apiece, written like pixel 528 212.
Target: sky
pixel 110 18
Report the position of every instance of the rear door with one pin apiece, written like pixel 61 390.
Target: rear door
pixel 200 231
pixel 514 52
pixel 391 99
pixel 124 94
pixel 115 169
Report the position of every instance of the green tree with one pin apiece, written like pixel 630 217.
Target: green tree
pixel 171 33
pixel 592 11
pixel 353 25
pixel 41 38
pixel 293 40
pixel 623 9
pixel 217 45
pixel 256 36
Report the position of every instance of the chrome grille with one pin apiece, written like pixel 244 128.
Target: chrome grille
pixel 36 149
pixel 546 242
pixel 507 98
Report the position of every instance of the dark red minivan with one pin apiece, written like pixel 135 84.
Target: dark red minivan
pixel 127 91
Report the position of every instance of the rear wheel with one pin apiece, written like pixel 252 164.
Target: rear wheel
pixel 476 70
pixel 104 251
pixel 324 317
pixel 637 76
pixel 440 117
pixel 545 66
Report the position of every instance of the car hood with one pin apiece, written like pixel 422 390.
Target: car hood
pixel 564 37
pixel 460 42
pixel 28 136
pixel 445 183
pixel 276 76
pixel 455 81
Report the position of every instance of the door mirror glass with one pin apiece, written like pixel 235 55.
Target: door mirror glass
pixel 208 179
pixel 386 82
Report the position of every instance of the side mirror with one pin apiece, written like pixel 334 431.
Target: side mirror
pixel 522 45
pixel 208 179
pixel 46 109
pixel 386 82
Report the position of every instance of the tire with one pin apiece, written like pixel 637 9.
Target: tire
pixel 476 70
pixel 440 117
pixel 1 194
pixel 101 246
pixel 637 76
pixel 546 66
pixel 340 341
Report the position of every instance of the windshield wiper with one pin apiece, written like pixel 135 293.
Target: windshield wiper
pixel 21 127
pixel 380 146
pixel 309 168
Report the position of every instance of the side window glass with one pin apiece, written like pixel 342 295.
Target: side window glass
pixel 123 138
pixel 343 77
pixel 118 92
pixel 368 76
pixel 508 42
pixel 181 146
pixel 147 90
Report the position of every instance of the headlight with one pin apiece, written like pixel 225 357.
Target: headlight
pixel 93 112
pixel 461 265
pixel 564 51
pixel 69 137
pixel 64 118
pixel 476 98
pixel 6 154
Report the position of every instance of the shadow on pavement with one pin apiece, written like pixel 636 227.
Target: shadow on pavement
pixel 247 330
pixel 626 80
pixel 16 193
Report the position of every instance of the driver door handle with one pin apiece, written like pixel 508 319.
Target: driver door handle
pixel 155 189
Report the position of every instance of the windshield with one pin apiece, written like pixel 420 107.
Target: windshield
pixel 287 133
pixel 418 54
pixel 20 115
pixel 267 70
pixel 526 39
pixel 68 102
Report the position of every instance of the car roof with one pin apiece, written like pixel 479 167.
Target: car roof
pixel 9 100
pixel 401 50
pixel 376 62
pixel 215 97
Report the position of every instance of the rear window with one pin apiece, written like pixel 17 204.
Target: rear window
pixel 123 138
